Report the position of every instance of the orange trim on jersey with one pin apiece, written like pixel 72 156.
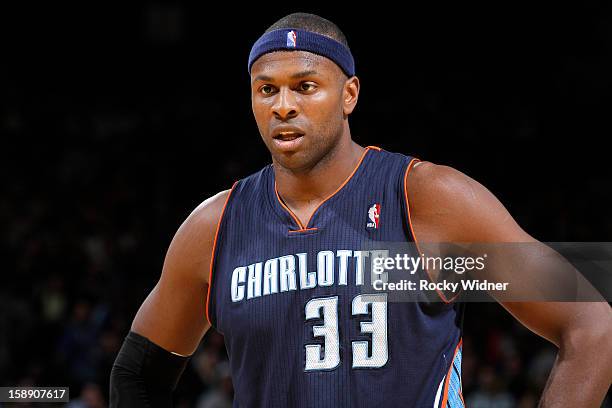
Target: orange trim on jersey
pixel 304 229
pixel 296 219
pixel 214 248
pixel 365 151
pixel 448 374
pixel 416 243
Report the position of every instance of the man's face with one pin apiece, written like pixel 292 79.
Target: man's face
pixel 298 103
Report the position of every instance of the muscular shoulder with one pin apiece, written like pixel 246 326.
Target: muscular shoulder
pixel 447 205
pixel 191 248
pixel 207 214
pixel 435 184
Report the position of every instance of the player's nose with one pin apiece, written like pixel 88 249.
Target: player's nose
pixel 285 106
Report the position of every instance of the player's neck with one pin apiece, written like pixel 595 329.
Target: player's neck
pixel 303 190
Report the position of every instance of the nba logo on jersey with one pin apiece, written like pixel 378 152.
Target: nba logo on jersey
pixel 373 216
pixel 291 39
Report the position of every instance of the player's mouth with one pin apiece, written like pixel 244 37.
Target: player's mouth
pixel 287 139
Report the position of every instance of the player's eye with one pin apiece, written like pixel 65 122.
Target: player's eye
pixel 307 86
pixel 266 89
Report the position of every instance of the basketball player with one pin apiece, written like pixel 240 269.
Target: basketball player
pixel 273 263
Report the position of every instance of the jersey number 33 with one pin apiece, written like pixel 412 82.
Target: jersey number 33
pixel 327 309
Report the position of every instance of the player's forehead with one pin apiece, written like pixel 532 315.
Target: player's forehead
pixel 279 64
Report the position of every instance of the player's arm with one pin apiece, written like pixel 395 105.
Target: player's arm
pixel 172 320
pixel 448 206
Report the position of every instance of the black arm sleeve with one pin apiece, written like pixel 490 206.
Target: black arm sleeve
pixel 144 374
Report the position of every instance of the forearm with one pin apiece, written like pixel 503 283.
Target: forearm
pixel 581 375
pixel 144 374
pixel 128 389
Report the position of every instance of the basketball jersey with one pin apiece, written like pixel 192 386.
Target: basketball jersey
pixel 287 297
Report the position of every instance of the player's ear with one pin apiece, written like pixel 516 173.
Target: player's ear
pixel 350 94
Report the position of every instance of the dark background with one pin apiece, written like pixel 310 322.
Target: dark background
pixel 117 120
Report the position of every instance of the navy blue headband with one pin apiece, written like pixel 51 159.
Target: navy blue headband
pixel 291 39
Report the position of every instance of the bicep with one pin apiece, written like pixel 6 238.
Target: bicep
pixel 545 292
pixel 451 207
pixel 173 315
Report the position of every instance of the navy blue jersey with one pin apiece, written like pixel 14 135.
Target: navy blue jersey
pixel 299 330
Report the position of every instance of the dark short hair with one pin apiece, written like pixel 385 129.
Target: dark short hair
pixel 310 22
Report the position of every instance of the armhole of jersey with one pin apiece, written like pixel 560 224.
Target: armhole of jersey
pixel 412 163
pixel 214 253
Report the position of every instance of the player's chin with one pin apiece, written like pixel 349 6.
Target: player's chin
pixel 293 159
